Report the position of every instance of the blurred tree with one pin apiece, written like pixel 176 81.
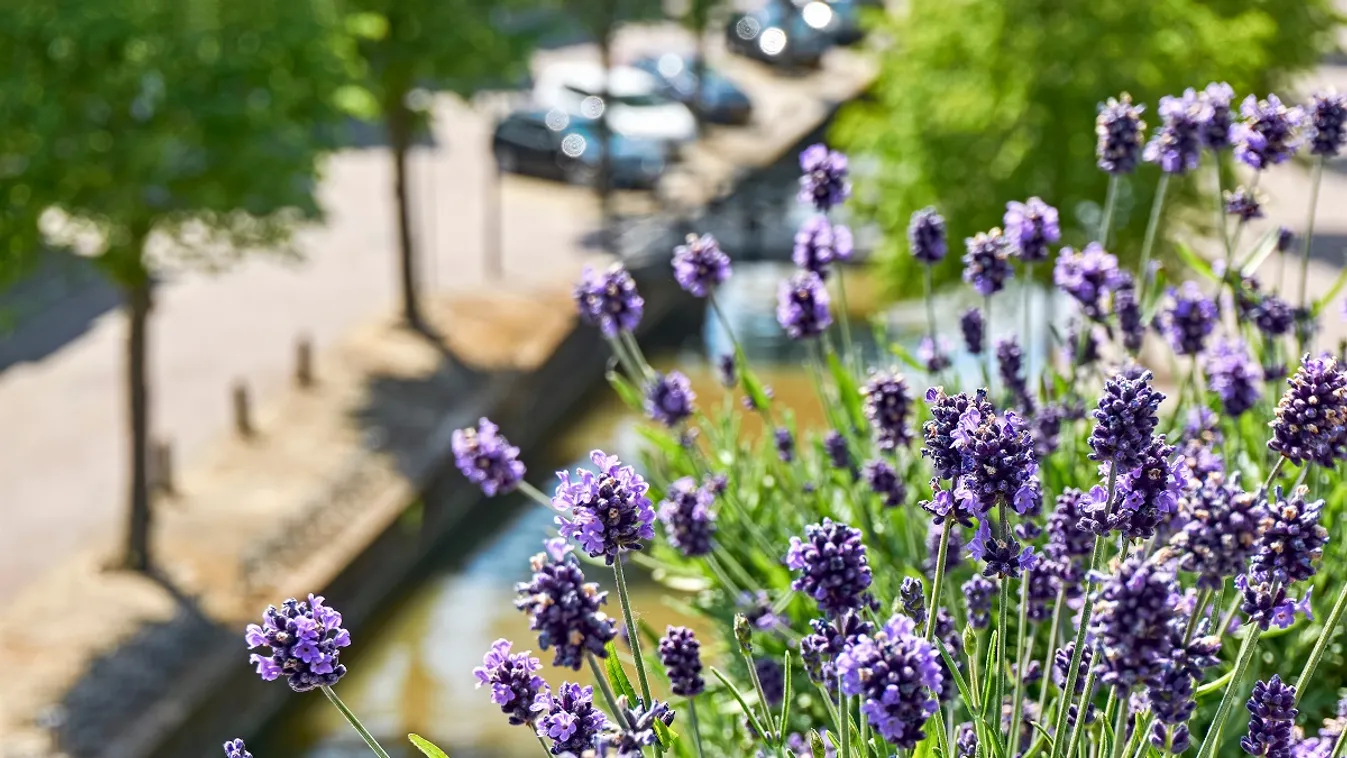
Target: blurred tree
pixel 149 134
pixel 414 46
pixel 983 101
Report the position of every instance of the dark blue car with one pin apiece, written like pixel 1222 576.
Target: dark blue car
pixel 719 100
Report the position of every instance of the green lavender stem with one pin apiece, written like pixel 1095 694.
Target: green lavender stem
pixel 1246 652
pixel 772 737
pixel 619 349
pixel 844 715
pixel 987 350
pixel 633 633
pixel 844 313
pixel 1081 709
pixel 696 726
pixel 1337 746
pixel 546 750
pixel 1051 649
pixel 1321 644
pixel 535 494
pixel 602 680
pixel 1118 726
pixel 939 578
pixel 1023 645
pixel 1110 200
pixel 1003 630
pixel 1152 225
pixel 355 723
pixel 1309 238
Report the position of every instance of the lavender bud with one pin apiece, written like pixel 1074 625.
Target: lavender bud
pixel 832 566
pixel 1133 618
pixel 1328 112
pixel 913 599
pixel 570 719
pixel 1121 133
pixel 1177 144
pixel 888 406
pixel 1125 420
pixel 824 182
pixel 1216 119
pixel 563 608
pixel 1189 318
pixel 1031 227
pixel 819 243
pixel 926 236
pixel 700 265
pixel 236 749
pixel 974 329
pixel 687 517
pixel 1267 134
pixel 1311 422
pixel 610 512
pixel 680 652
pixel 515 684
pixel 305 641
pixel 487 459
pixel 668 398
pixel 802 306
pixel 1293 539
pixel 1272 714
pixel 987 262
pixel 884 481
pixel 895 673
pixel 609 300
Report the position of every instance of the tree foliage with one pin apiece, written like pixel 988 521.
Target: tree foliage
pixel 983 101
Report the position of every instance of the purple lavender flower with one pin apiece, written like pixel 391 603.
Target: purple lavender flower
pixel 1046 430
pixel 998 460
pixel 819 243
pixel 802 306
pixel 1293 539
pixel 681 654
pixel 1189 318
pixel 832 566
pixel 1030 227
pixel 699 265
pixel 1068 547
pixel 1243 203
pixel 835 445
pixel 987 262
pixel 913 599
pixel 939 433
pixel 1266 603
pixel 1170 693
pixel 888 406
pixel 570 719
pixel 688 519
pixel 515 684
pixel 727 370
pixel 1221 530
pixel 1267 134
pixel 933 354
pixel 1128 310
pixel 977 595
pixel 896 674
pixel 773 679
pixel 1004 556
pixel 824 183
pixel 966 744
pixel 926 236
pixel 633 727
pixel 1080 345
pixel 1327 112
pixel 668 398
pixel 884 481
pixel 1087 276
pixel 1042 593
pixel 1272 714
pixel 819 650
pixel 305 641
pixel 1010 365
pixel 563 608
pixel 609 300
pixel 1311 423
pixel 487 459
pixel 974 329
pixel 1273 316
pixel 785 445
pixel 1121 133
pixel 1134 616
pixel 1234 376
pixel 609 511
pixel 236 749
pixel 1146 497
pixel 1216 119
pixel 1125 419
pixel 1177 144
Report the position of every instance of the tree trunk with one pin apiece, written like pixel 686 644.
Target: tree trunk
pixel 137 557
pixel 400 138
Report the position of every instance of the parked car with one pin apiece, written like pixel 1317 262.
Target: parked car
pixel 719 100
pixel 843 17
pixel 780 33
pixel 554 145
pixel 632 104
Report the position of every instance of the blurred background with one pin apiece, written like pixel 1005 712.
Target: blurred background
pixel 258 259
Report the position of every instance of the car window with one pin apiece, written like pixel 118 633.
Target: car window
pixel 640 101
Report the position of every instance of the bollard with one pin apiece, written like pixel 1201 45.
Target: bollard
pixel 243 422
pixel 161 459
pixel 304 362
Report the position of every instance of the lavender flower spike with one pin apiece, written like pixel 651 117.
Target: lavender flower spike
pixel 1216 120
pixel 487 459
pixel 668 398
pixel 897 674
pixel 1120 133
pixel 1189 318
pixel 1133 622
pixel 688 519
pixel 680 652
pixel 1234 376
pixel 570 719
pixel 832 565
pixel 1328 112
pixel 1311 422
pixel 607 512
pixel 514 681
pixel 987 262
pixel 1088 276
pixel 700 265
pixel 926 236
pixel 819 243
pixel 305 640
pixel 824 182
pixel 609 300
pixel 802 306
pixel 1267 135
pixel 1177 144
pixel 1272 715
pixel 563 608
pixel 1293 539
pixel 974 330
pixel 1125 420
pixel 236 749
pixel 1031 227
pixel 888 406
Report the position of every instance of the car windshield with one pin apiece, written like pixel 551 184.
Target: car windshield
pixel 647 100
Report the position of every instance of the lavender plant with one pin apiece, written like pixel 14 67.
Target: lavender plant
pixel 1090 562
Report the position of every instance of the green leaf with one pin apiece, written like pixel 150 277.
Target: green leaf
pixel 1259 253
pixel 740 697
pixel 367 25
pixel 667 737
pixel 847 391
pixel 356 101
pixel 786 696
pixel 816 745
pixel 617 676
pixel 1216 685
pixel 1332 293
pixel 426 747
pixel 1195 262
pixel 959 681
pixel 902 354
pixel 627 392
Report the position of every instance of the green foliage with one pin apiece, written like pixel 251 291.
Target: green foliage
pixel 426 747
pixel 983 101
pixel 198 119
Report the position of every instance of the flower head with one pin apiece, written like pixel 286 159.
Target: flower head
pixel 785 444
pixel 1125 419
pixel 1128 309
pixel 1031 227
pixel 699 265
pixel 563 608
pixel 912 596
pixel 1293 539
pixel 974 330
pixel 926 236
pixel 824 182
pixel 987 262
pixel 1267 134
pixel 688 519
pixel 819 243
pixel 570 719
pixel 819 650
pixel 977 595
pixel 896 673
pixel 933 354
pixel 487 459
pixel 1133 622
pixel 1273 316
pixel 681 654
pixel 607 512
pixel 1234 376
pixel 1243 203
pixel 998 460
pixel 1188 319
pixel 1146 497
pixel 609 300
pixel 305 641
pixel 802 306
pixel 884 481
pixel 1088 276
pixel 514 681
pixel 1222 527
pixel 832 565
pixel 633 727
pixel 1311 422
pixel 1328 113
pixel 1272 714
pixel 668 398
pixel 1069 546
pixel 1177 144
pixel 1216 120
pixel 939 433
pixel 888 406
pixel 1010 364
pixel 1266 602
pixel 1121 133
pixel 1004 556
pixel 236 749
